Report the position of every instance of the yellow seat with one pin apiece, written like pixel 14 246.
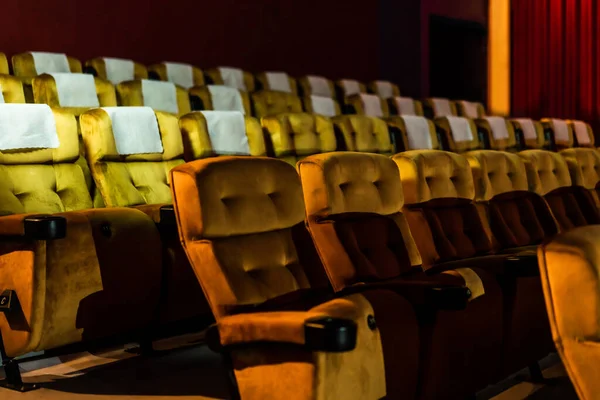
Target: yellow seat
pixel 219 98
pixel 560 131
pixel 459 134
pixel 370 105
pixel 349 87
pixel 384 89
pixel 4 69
pixel 583 133
pixel 439 107
pixel 312 85
pixel 532 133
pixel 414 133
pixel 185 75
pixel 28 65
pixel 322 105
pixel 116 70
pixel 470 109
pixel 160 96
pixel 268 103
pixel 232 77
pixel 362 133
pixel 12 89
pixel 277 81
pixel 499 133
pixel 405 106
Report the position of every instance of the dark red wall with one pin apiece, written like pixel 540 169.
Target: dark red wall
pixel 336 39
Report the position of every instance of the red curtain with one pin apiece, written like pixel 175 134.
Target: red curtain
pixel 555 59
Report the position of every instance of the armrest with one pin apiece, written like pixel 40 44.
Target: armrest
pixel 522 265
pixel 315 331
pixel 163 215
pixel 34 227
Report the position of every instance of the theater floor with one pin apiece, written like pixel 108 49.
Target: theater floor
pixel 184 369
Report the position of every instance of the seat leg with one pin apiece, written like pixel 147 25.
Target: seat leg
pixel 234 392
pixel 535 372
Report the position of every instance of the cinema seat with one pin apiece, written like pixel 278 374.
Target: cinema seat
pixel 499 133
pixel 582 133
pixel 219 98
pixel 160 96
pixel 252 255
pixel 548 176
pixel 267 103
pixel 414 133
pixel 560 133
pixel 405 106
pixel 366 104
pixel 11 89
pixel 115 70
pixel 384 89
pixel 354 214
pixel 349 87
pixel 73 92
pixel 325 106
pixel 469 109
pixel 293 136
pixel 517 221
pixel 130 151
pixel 458 134
pixel 76 274
pixel 362 133
pixel 214 133
pixel 584 169
pixel 569 269
pixel 185 75
pixel 532 133
pixel 4 68
pixel 439 107
pixel 232 77
pixel 28 65
pixel 312 85
pixel 276 81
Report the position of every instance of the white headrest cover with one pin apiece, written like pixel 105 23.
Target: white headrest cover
pixel 385 90
pixel 46 63
pixel 278 81
pixel 460 129
pixel 350 87
pixel 371 105
pixel 581 131
pixel 470 109
pixel 417 132
pixel 442 108
pixel 498 126
pixel 405 106
pixel 233 77
pixel 119 70
pixel 227 131
pixel 135 130
pixel 27 126
pixel 527 127
pixel 76 90
pixel 319 86
pixel 161 96
pixel 323 106
pixel 225 98
pixel 180 74
pixel 561 130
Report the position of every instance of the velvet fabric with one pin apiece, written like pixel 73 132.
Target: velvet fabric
pixel 213 77
pixel 584 168
pixel 560 143
pixel 393 107
pixel 261 78
pixel 308 106
pixel 267 103
pixel 539 141
pixel 305 88
pixel 12 89
pixel 364 134
pixel 508 144
pixel 460 110
pixel 160 71
pixel 203 96
pixel 458 147
pixel 4 69
pixel 429 108
pixel 98 67
pixel 24 66
pixel 372 86
pixel 399 123
pixel 129 94
pixel 356 103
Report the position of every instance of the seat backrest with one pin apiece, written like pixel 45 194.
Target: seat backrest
pixel 211 133
pixel 277 81
pixel 158 95
pixel 438 196
pixel 321 105
pixel 354 213
pixel 237 219
pixel 532 132
pixel 313 85
pixel 515 216
pixel 384 89
pixel 560 130
pixel 548 175
pixel 28 65
pixel 470 109
pixel 38 154
pixel 293 136
pixel 499 132
pixel 584 168
pixel 349 87
pixel 362 133
pixel 130 151
pixel 184 75
pixel 367 104
pixel 439 107
pixel 416 133
pixel 570 271
pixel 76 92
pixel 4 69
pixel 232 77
pixel 268 102
pixel 405 106
pixel 12 89
pixel 582 133
pixel 219 98
pixel 459 134
pixel 116 70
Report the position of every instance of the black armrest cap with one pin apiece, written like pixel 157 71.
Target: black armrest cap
pixel 333 335
pixel 45 227
pixel 167 215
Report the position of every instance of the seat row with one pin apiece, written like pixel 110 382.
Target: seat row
pixel 431 254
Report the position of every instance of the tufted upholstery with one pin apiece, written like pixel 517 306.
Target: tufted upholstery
pixel 365 134
pixel 12 89
pixel 97 67
pixel 499 143
pixel 203 99
pixel 160 71
pixel 546 171
pixel 45 92
pixel 584 167
pixel 454 139
pixel 496 172
pixel 130 94
pixel 560 142
pixel 356 105
pixel 268 103
pixel 293 136
pixel 264 83
pixel 196 139
pixel 213 77
pixel 537 139
pixel 305 88
pixel 24 65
